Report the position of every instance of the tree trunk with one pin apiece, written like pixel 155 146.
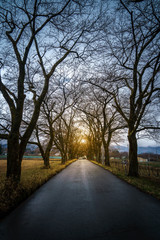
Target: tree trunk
pixel 48 150
pixel 46 160
pixel 64 158
pixel 13 159
pixel 106 155
pixel 98 154
pixel 133 160
pixel 106 145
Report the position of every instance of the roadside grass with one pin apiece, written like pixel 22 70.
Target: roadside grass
pixel 152 164
pixel 33 176
pixel 148 185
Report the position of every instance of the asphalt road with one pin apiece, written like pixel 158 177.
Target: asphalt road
pixel 84 202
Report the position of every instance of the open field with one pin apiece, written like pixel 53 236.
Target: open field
pixel 32 157
pixel 32 164
pixel 33 176
pixel 152 164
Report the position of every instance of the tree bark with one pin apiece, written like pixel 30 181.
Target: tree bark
pixel 98 154
pixel 133 160
pixel 106 155
pixel 106 145
pixel 64 158
pixel 13 159
pixel 46 161
pixel 47 152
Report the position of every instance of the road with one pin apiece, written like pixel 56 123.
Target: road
pixel 84 202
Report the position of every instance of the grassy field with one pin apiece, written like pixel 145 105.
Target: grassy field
pixel 152 164
pixel 151 186
pixel 33 176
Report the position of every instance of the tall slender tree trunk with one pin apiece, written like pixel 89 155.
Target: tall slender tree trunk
pixel 133 160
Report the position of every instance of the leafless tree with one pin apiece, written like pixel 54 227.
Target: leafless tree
pixel 101 118
pixel 36 37
pixel 133 79
pixel 63 133
pixel 58 100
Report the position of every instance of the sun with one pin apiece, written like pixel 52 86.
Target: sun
pixel 83 140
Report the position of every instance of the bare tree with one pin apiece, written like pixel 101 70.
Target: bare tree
pixel 36 37
pixel 110 124
pixel 58 100
pixel 102 119
pixel 63 132
pixel 76 148
pixel 133 80
pixel 89 146
pixel 51 110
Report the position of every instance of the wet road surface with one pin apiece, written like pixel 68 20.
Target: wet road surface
pixel 84 202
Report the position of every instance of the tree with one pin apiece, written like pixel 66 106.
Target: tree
pixel 95 137
pixel 135 62
pixel 63 132
pixel 44 131
pixel 76 147
pixel 102 119
pixel 58 100
pixel 89 146
pixel 109 119
pixel 36 37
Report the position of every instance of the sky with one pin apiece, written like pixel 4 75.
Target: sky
pixel 141 142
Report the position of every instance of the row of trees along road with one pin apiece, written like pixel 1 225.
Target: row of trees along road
pixel 114 61
pixel 101 119
pixel 55 126
pixel 132 77
pixel 36 37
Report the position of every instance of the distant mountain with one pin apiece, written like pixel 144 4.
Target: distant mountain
pixel 149 149
pixel 29 146
pixel 120 148
pixel 4 145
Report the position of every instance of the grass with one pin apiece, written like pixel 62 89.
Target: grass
pixel 152 164
pixel 151 186
pixel 33 176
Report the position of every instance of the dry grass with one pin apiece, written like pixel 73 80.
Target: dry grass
pixel 33 176
pixel 3 166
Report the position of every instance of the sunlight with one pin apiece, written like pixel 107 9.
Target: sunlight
pixel 83 140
